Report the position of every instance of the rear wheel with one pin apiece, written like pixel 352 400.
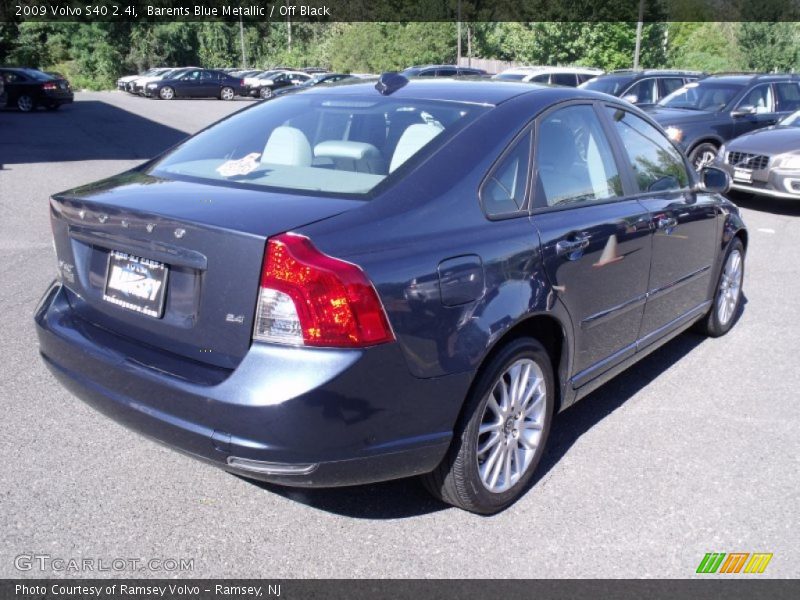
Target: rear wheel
pixel 166 93
pixel 226 93
pixel 265 93
pixel 500 439
pixel 703 155
pixel 25 103
pixel 727 299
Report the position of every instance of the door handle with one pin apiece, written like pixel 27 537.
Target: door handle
pixel 667 223
pixel 574 247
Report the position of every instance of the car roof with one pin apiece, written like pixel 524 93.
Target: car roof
pixel 475 91
pixel 547 69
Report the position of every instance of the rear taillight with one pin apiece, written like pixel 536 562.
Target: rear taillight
pixel 49 86
pixel 312 299
pixel 241 83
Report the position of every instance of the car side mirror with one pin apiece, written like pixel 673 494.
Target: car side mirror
pixel 744 111
pixel 713 180
pixel 632 98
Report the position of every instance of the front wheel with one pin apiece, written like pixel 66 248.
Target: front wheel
pixel 501 436
pixel 265 93
pixel 703 156
pixel 727 299
pixel 166 93
pixel 226 93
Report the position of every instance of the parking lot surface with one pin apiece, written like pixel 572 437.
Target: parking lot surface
pixel 694 450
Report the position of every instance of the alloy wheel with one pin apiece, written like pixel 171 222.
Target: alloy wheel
pixel 227 93
pixel 25 103
pixel 266 93
pixel 730 286
pixel 511 427
pixel 167 93
pixel 704 159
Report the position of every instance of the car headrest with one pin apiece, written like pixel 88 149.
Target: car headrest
pixel 287 146
pixel 412 140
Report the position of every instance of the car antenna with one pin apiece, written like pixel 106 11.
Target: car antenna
pixel 390 82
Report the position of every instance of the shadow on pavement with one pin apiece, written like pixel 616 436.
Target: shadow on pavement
pixel 778 206
pixel 407 498
pixel 85 130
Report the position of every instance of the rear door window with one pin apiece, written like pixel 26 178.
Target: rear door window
pixel 670 84
pixel 656 164
pixel 787 96
pixel 574 160
pixel 567 79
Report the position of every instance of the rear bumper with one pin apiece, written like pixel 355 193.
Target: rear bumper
pixel 329 417
pixel 59 98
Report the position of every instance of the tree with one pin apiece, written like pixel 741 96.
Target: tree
pixel 770 46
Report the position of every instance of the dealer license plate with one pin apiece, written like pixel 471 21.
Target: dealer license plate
pixel 137 284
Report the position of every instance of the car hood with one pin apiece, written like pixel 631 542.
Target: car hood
pixel 673 116
pixel 770 141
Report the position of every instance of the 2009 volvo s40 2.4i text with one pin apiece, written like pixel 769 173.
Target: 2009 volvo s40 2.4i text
pixel 373 281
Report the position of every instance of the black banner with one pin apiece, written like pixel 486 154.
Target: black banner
pixel 340 589
pixel 398 10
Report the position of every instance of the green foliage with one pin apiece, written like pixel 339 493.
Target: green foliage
pixel 93 55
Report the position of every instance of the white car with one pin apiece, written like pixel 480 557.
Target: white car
pixel 568 76
pixel 122 82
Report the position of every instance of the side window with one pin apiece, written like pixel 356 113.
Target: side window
pixel 645 92
pixel 759 97
pixel 788 97
pixel 544 78
pixel 656 163
pixel 446 73
pixel 583 77
pixel 574 159
pixel 428 73
pixel 504 189
pixel 670 84
pixel 567 79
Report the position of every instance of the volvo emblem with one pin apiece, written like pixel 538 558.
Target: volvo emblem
pixel 102 218
pixel 150 227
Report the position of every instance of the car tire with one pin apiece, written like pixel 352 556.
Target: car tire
pixel 265 93
pixel 727 299
pixel 25 103
pixel 469 476
pixel 703 155
pixel 227 93
pixel 166 93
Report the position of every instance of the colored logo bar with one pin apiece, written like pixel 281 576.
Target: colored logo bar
pixel 734 562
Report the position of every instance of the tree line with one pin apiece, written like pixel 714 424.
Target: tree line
pixel 93 55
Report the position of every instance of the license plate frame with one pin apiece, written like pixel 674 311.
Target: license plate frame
pixel 744 175
pixel 136 284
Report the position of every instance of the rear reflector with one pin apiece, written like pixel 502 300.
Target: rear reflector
pixel 309 298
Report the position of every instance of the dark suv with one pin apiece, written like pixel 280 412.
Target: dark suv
pixel 641 87
pixel 442 71
pixel 703 115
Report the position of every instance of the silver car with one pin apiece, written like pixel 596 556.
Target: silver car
pixel 766 161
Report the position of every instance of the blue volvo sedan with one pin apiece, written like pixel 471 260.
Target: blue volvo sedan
pixel 374 281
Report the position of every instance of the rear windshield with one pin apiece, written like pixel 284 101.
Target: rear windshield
pixel 313 143
pixel 606 85
pixel 703 95
pixel 37 75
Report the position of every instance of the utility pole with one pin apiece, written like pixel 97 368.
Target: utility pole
pixel 241 38
pixel 638 35
pixel 458 42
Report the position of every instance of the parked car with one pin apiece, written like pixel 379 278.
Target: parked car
pixel 255 80
pixel 701 116
pixel 265 87
pixel 765 162
pixel 322 79
pixel 137 86
pixel 442 71
pixel 568 76
pixel 195 83
pixel 28 89
pixel 122 82
pixel 641 87
pixel 386 280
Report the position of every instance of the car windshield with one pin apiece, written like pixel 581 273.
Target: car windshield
pixel 511 76
pixel 793 120
pixel 267 74
pixel 703 95
pixel 318 143
pixel 607 85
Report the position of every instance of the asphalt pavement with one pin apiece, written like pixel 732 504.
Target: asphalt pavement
pixel 694 450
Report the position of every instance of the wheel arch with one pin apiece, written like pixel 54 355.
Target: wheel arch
pixel 715 141
pixel 548 330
